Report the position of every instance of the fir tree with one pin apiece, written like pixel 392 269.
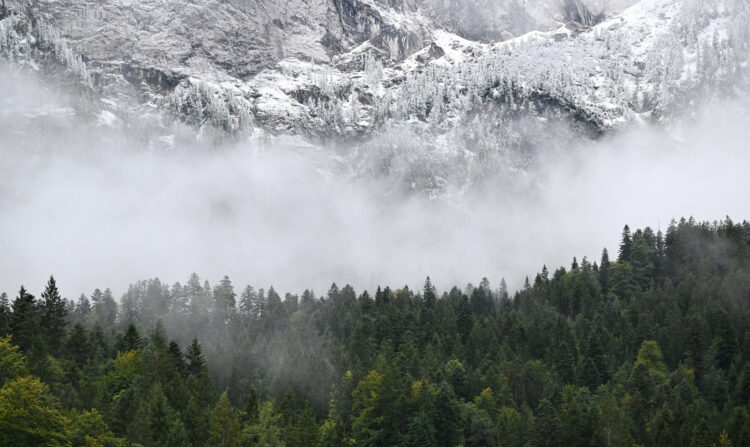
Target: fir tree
pixel 131 341
pixel 54 315
pixel 626 243
pixel 430 297
pixel 25 320
pixel 464 318
pixel 177 358
pixel 5 314
pixel 196 364
pixel 225 425
pixel 546 424
pixel 78 346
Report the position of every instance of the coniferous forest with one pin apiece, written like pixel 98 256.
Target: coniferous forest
pixel 648 346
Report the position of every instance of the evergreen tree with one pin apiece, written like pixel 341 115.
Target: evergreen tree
pixel 224 300
pixel 160 417
pixel 430 297
pixel 25 320
pixel 196 364
pixel 78 345
pixel 447 421
pixel 304 431
pixel 248 301
pixel 546 424
pixel 421 432
pixel 54 315
pixel 265 431
pixel 131 341
pixel 5 314
pixel 177 357
pixel 626 243
pixel 464 318
pixel 108 308
pixel 604 271
pixel 82 310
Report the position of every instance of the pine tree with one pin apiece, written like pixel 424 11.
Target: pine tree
pixel 604 271
pixel 626 244
pixel 82 309
pixel 160 416
pixel 503 292
pixel 196 363
pixel 447 420
pixel 54 315
pixel 97 301
pixel 25 320
pixel 177 357
pixel 247 301
pixel 78 346
pixel 99 346
pixel 464 318
pixel 430 297
pixel 420 432
pixel 131 341
pixel 265 431
pixel 5 314
pixel 109 308
pixel 304 430
pixel 224 300
pixel 546 424
pixel 594 370
pixel 225 425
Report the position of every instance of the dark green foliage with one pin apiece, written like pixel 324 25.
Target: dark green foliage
pixel 131 340
pixel 652 349
pixel 626 245
pixel 25 321
pixel 546 425
pixel 78 347
pixel 54 315
pixel 5 314
pixel 196 363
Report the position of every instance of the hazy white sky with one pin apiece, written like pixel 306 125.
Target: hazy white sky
pixel 97 212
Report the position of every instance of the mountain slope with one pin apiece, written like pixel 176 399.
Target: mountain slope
pixel 386 82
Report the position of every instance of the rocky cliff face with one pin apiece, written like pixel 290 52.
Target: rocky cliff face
pixel 357 74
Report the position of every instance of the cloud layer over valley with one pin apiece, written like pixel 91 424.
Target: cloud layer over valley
pixel 97 208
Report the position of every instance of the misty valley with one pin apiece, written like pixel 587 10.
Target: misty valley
pixel 406 220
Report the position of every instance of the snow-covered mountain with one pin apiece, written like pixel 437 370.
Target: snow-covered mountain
pixel 435 92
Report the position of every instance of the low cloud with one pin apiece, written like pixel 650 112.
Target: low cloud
pixel 96 208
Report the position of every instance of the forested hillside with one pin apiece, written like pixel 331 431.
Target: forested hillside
pixel 648 347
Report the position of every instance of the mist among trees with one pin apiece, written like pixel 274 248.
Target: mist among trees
pixel 647 345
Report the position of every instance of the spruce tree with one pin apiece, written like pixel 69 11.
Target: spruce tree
pixel 5 314
pixel 54 315
pixel 546 424
pixel 78 346
pixel 82 309
pixel 25 320
pixel 177 357
pixel 196 363
pixel 131 341
pixel 626 243
pixel 604 271
pixel 430 297
pixel 109 308
pixel 464 318
pixel 225 425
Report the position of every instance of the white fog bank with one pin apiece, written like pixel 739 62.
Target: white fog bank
pixel 95 211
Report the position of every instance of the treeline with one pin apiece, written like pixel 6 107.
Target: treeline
pixel 651 348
